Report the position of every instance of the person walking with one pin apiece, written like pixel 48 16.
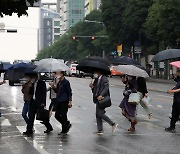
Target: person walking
pixel 52 95
pixel 100 89
pixel 38 101
pixel 64 101
pixel 129 110
pixel 176 104
pixel 27 97
pixel 142 89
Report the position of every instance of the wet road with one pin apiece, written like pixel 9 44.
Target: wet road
pixel 149 137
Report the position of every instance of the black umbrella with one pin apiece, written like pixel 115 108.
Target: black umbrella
pixel 166 54
pixel 100 59
pixel 125 61
pixel 91 66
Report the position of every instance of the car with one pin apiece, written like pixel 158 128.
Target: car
pixel 114 72
pixel 72 70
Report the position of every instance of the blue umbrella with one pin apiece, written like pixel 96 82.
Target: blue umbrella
pixel 23 67
pixel 4 66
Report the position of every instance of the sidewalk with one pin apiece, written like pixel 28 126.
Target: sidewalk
pixel 158 85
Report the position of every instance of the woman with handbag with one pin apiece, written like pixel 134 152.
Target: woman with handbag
pixel 129 109
pixel 142 89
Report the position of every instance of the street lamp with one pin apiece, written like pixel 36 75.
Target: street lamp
pixel 93 21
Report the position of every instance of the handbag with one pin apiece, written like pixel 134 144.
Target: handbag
pixel 147 100
pixel 134 98
pixel 42 114
pixel 105 102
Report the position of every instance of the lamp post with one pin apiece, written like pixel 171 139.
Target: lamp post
pixel 99 22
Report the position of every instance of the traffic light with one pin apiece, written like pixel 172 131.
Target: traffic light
pixel 74 37
pixel 93 37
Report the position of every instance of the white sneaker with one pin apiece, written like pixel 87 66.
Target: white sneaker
pixel 114 127
pixel 98 133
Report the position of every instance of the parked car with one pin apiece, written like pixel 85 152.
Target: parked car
pixel 114 72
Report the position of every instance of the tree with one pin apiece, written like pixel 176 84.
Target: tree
pixel 163 24
pixel 7 7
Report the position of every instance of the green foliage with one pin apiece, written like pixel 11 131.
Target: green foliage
pixel 68 49
pixel 7 7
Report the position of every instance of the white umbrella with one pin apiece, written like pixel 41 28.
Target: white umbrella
pixel 131 70
pixel 50 65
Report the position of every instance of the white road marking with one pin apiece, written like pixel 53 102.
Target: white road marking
pixel 166 96
pixel 160 106
pixel 5 122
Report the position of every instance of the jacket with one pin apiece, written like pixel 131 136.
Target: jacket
pixel 64 91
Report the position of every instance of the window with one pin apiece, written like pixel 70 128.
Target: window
pixel 49 30
pixel 49 37
pixel 48 23
pixel 56 23
pixel 56 37
pixel 72 21
pixel 49 43
pixel 56 30
pixel 76 11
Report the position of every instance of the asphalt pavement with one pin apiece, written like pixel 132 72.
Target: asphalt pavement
pixel 149 137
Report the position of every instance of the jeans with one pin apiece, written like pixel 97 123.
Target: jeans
pixel 25 111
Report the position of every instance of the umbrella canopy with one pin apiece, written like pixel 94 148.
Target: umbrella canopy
pixel 4 66
pixel 125 61
pixel 50 65
pixel 131 70
pixel 176 64
pixel 166 54
pixel 23 67
pixel 91 66
pixel 100 59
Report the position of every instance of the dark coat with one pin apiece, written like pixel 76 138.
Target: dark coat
pixel 40 93
pixel 101 88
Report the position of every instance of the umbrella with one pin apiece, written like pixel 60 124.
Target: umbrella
pixel 131 70
pixel 100 59
pixel 4 66
pixel 23 67
pixel 50 65
pixel 125 61
pixel 91 66
pixel 166 54
pixel 176 64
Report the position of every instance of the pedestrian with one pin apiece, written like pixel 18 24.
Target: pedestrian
pixel 27 97
pixel 1 83
pixel 64 101
pixel 129 110
pixel 142 89
pixel 38 101
pixel 52 94
pixel 100 89
pixel 176 104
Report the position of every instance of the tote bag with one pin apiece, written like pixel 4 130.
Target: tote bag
pixel 134 98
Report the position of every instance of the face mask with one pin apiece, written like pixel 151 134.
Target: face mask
pixel 58 76
pixel 95 75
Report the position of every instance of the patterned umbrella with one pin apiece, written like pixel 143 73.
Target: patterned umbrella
pixel 131 70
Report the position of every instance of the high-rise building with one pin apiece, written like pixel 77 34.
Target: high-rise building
pixel 91 5
pixel 71 12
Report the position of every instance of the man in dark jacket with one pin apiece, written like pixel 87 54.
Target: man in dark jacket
pixel 64 101
pixel 38 101
pixel 100 89
pixel 176 104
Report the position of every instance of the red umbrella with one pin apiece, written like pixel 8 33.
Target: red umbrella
pixel 176 64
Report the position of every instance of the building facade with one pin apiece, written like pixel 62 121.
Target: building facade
pixel 51 27
pixel 71 12
pixel 91 5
